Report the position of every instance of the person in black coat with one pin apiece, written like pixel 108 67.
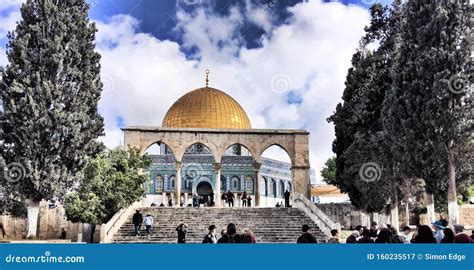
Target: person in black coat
pixel 182 230
pixel 230 198
pixel 231 236
pixel 306 237
pixel 424 236
pixel 287 198
pixel 137 220
pixel 385 236
pixel 210 238
pixel 221 240
pixel 365 239
pixel 211 199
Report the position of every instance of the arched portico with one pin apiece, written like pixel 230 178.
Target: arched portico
pixel 294 142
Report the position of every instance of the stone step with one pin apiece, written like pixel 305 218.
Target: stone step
pixel 270 225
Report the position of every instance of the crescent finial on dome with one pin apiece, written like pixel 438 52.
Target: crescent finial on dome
pixel 207 78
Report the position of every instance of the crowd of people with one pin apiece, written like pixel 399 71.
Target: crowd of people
pixel 228 199
pixel 228 236
pixel 439 232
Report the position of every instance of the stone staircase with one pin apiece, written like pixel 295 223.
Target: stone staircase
pixel 270 225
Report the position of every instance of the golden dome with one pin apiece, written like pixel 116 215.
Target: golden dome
pixel 206 108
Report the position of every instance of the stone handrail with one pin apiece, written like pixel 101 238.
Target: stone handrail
pixel 109 229
pixel 319 217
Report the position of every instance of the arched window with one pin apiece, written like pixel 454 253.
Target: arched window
pixel 159 183
pixel 282 188
pixel 273 188
pixel 265 182
pixel 172 182
pixel 150 186
pixel 289 187
pixel 249 184
pixel 223 183
pixel 235 183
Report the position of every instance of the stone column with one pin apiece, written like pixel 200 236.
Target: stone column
pixel 301 181
pixel 186 199
pixel 177 185
pixel 217 192
pixel 256 167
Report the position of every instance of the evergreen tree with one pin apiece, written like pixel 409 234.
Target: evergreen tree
pixel 50 90
pixel 363 165
pixel 429 110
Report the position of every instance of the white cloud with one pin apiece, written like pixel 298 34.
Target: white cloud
pixel 259 15
pixel 143 75
pixel 313 50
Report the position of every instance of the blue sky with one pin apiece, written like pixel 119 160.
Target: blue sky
pixel 159 17
pixel 284 61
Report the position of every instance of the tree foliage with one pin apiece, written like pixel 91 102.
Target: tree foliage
pixel 408 103
pixel 50 90
pixel 430 104
pixel 329 171
pixel 109 183
pixel 363 163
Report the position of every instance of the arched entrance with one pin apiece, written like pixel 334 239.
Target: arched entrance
pixel 204 190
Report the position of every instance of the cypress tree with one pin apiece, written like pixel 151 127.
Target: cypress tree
pixel 50 90
pixel 429 110
pixel 363 165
